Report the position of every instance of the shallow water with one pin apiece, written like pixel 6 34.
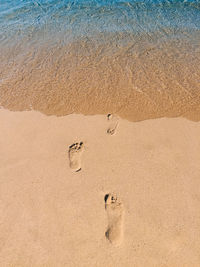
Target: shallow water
pixel 139 59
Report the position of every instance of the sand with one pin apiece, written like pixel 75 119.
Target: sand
pixel 134 201
pixel 137 77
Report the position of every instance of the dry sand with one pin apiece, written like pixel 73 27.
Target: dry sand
pixel 134 202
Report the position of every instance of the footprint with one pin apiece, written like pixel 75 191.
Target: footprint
pixel 114 121
pixel 75 153
pixel 114 210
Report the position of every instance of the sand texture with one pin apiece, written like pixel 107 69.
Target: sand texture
pixel 135 200
pixel 135 76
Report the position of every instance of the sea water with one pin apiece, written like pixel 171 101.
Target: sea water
pixel 139 59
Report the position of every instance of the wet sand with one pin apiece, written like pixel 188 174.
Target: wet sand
pixel 137 77
pixel 135 201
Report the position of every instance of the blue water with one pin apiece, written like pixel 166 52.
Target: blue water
pixel 73 19
pixel 53 52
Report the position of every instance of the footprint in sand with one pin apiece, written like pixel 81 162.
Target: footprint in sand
pixel 114 122
pixel 114 210
pixel 75 153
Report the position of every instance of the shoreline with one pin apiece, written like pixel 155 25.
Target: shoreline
pixel 143 78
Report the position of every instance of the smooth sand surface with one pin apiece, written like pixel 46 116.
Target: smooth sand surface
pixel 51 215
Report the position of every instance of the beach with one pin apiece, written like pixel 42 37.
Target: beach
pixel 135 76
pixel 139 60
pixel 53 214
pixel 99 133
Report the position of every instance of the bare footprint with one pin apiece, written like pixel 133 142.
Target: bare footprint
pixel 115 212
pixel 114 122
pixel 75 153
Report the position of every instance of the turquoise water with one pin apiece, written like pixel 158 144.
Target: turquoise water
pixel 55 52
pixel 66 19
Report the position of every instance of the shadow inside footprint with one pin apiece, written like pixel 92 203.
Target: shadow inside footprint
pixel 113 123
pixel 114 209
pixel 75 152
pixel 106 197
